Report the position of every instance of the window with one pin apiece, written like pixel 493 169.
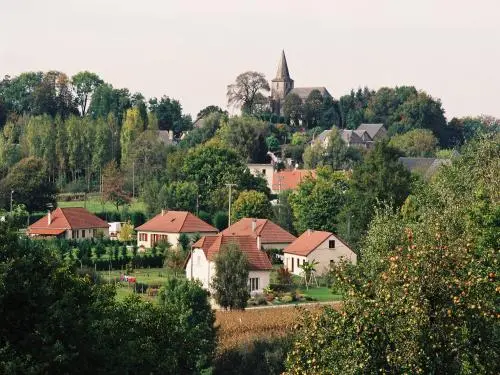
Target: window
pixel 264 172
pixel 331 244
pixel 94 232
pixel 298 262
pixel 83 233
pixel 292 263
pixel 253 283
pixel 331 262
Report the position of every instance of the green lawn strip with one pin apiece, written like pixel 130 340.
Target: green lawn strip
pixel 321 294
pixel 95 205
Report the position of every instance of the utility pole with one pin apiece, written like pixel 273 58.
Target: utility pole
pixel 229 214
pixel 12 192
pixel 133 179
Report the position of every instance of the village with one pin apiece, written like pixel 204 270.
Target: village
pixel 251 189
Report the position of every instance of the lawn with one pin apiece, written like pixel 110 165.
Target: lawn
pixel 321 294
pixel 94 204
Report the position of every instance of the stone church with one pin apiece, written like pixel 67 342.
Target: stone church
pixel 283 85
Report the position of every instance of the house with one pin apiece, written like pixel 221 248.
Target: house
pixel 375 131
pixel 265 171
pixel 352 138
pixel 169 225
pixel 322 247
pixel 201 263
pixel 289 180
pixel 70 223
pixel 267 234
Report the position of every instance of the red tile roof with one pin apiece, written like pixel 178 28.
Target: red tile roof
pixel 67 218
pixel 204 243
pixel 257 258
pixel 268 231
pixel 307 242
pixel 176 222
pixel 290 179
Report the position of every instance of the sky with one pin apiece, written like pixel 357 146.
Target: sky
pixel 191 50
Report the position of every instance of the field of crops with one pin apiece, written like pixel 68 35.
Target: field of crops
pixel 241 327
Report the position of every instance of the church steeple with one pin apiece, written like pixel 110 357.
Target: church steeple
pixel 281 85
pixel 282 73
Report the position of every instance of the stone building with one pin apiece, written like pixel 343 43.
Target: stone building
pixel 283 85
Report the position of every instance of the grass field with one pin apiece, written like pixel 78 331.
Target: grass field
pixel 321 294
pixel 94 204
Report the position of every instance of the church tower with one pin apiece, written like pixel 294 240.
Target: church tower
pixel 281 85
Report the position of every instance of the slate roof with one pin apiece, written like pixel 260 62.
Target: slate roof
pixel 257 259
pixel 66 218
pixel 176 222
pixel 371 129
pixel 427 167
pixel 308 242
pixel 290 179
pixel 303 92
pixel 268 231
pixel 282 73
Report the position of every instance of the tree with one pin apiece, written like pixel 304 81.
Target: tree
pixel 211 123
pixel 169 114
pixel 211 109
pixel 29 182
pixel 251 203
pixel 231 278
pixel 426 299
pixel 84 84
pixel 196 335
pixel 132 127
pixel 126 232
pixel 416 143
pixel 317 201
pixel 247 135
pixel 107 100
pixel 113 185
pixel 272 143
pixel 313 106
pixel 380 178
pixel 211 166
pixel 293 109
pixel 246 92
pixel 220 220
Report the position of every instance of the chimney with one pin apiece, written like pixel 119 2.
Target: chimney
pixel 254 224
pixel 309 231
pixel 49 217
pixel 258 242
pixel 162 212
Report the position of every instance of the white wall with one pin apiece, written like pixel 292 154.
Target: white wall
pixel 323 255
pixel 204 270
pixel 173 238
pixel 88 233
pixel 264 170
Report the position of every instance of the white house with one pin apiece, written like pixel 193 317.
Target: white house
pixel 169 225
pixel 70 223
pixel 263 170
pixel 322 247
pixel 201 266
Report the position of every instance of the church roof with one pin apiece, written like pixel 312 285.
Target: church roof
pixel 303 92
pixel 282 74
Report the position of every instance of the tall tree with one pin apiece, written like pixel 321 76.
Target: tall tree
pixel 417 143
pixel 246 92
pixel 293 109
pixel 231 278
pixel 313 107
pixel 169 114
pixel 113 185
pixel 84 84
pixel 132 127
pixel 251 204
pixel 380 178
pixel 29 182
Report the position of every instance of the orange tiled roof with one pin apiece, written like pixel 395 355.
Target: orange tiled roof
pixel 176 222
pixel 257 258
pixel 67 218
pixel 204 243
pixel 307 242
pixel 268 231
pixel 290 179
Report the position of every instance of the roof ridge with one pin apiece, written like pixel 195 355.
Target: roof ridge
pixel 184 221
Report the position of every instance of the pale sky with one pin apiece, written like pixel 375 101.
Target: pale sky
pixel 191 50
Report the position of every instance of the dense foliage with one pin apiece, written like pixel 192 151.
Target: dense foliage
pixel 424 298
pixel 56 321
